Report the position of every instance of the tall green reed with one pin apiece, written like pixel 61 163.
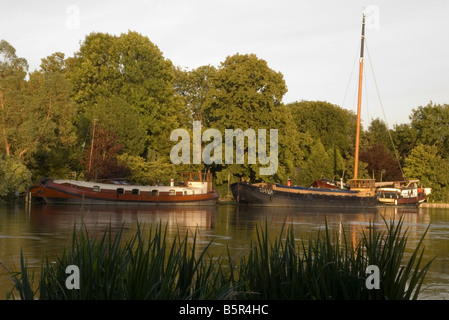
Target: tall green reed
pixel 333 267
pixel 152 266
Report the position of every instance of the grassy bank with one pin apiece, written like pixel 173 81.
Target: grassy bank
pixel 149 266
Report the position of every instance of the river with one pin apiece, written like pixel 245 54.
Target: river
pixel 40 230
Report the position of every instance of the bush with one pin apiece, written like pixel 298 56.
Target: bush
pixel 14 177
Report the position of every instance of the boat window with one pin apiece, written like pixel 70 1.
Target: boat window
pixel 135 191
pixel 155 192
pixel 120 191
pixel 172 193
pixel 185 192
pixel 96 188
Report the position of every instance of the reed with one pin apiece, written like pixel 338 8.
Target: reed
pixel 143 267
pixel 150 266
pixel 332 267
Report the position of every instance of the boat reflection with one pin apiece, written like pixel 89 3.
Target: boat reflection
pixel 64 216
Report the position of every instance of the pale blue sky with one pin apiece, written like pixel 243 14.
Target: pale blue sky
pixel 314 44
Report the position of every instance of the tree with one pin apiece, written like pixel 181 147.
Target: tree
pixel 431 124
pixel 382 165
pixel 244 85
pixel 128 72
pixel 318 165
pixel 194 87
pixel 377 133
pixel 404 138
pixel 12 82
pixel 333 125
pixel 36 114
pixel 426 164
pixel 100 160
pixel 148 172
pixel 115 114
pixel 14 177
pixel 53 151
pixel 246 94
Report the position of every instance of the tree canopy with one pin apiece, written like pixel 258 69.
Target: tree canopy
pixel 123 85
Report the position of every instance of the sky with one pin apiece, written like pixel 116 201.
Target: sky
pixel 314 44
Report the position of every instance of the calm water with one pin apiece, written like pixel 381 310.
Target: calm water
pixel 41 230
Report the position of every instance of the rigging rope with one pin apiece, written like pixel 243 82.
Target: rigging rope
pixel 383 111
pixel 350 77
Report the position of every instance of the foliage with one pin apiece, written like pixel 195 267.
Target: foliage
pixel 426 164
pixel 116 115
pixel 381 163
pixel 376 134
pixel 128 72
pixel 404 140
pixel 431 124
pixel 100 159
pixel 194 87
pixel 147 172
pixel 245 85
pixel 36 114
pixel 125 85
pixel 333 125
pixel 326 267
pixel 318 165
pixel 14 176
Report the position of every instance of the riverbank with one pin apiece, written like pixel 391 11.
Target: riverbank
pixel 434 205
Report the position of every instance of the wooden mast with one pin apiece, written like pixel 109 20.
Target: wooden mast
pixel 359 102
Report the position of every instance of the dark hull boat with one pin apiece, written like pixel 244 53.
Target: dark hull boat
pixel 360 193
pixel 266 194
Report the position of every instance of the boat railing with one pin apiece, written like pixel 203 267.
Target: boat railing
pixel 206 177
pixel 367 186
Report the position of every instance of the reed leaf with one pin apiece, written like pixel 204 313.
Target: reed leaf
pixel 150 266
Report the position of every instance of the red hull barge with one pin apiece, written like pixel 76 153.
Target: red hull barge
pixel 193 189
pixel 402 193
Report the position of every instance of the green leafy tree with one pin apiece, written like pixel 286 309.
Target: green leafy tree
pixel 333 125
pixel 318 165
pixel 426 164
pixel 148 172
pixel 108 110
pixel 15 178
pixel 363 172
pixel 128 72
pixel 54 151
pixel 404 138
pixel 245 93
pixel 14 131
pixel 431 124
pixel 36 114
pixel 194 87
pixel 377 133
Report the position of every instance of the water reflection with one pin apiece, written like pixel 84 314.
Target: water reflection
pixel 45 229
pixel 60 216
